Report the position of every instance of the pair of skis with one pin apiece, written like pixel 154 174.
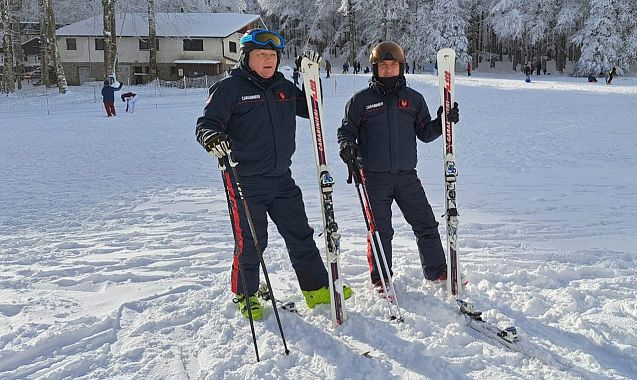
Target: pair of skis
pixel 508 337
pixel 310 65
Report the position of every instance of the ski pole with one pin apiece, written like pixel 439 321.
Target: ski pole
pixel 233 164
pixel 356 172
pixel 227 184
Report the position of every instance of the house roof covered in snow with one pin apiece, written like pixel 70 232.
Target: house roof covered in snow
pixel 214 25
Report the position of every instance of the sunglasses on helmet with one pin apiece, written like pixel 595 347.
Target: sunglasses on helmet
pixel 264 37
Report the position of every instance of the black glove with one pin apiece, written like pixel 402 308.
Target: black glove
pixel 216 143
pixel 312 55
pixel 454 113
pixel 348 152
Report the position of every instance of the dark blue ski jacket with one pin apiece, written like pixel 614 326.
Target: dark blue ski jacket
pixel 259 117
pixel 385 124
pixel 108 93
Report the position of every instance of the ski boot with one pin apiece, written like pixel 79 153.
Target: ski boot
pixel 255 306
pixel 322 296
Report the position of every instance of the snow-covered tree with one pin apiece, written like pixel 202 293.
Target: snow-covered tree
pixel 55 53
pixel 152 40
pixel 449 27
pixel 418 48
pixel 7 43
pixel 600 40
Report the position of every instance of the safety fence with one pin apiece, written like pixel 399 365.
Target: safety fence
pixel 39 100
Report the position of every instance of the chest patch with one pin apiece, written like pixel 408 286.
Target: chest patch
pixel 375 105
pixel 281 95
pixel 403 103
pixel 250 97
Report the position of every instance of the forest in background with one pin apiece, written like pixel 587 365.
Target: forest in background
pixel 595 34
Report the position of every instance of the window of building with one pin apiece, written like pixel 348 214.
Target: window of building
pixel 144 44
pixel 71 44
pixel 99 44
pixel 193 45
pixel 233 47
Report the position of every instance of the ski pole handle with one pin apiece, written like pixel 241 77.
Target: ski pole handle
pixel 231 159
pixel 354 167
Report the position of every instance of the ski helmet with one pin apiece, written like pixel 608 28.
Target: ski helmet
pixel 260 39
pixel 387 51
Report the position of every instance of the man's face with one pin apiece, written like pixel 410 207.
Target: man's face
pixel 389 68
pixel 263 62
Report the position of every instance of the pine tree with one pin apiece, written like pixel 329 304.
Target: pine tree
pixel 449 27
pixel 600 40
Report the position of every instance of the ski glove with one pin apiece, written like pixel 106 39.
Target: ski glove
pixel 313 56
pixel 348 152
pixel 454 113
pixel 216 143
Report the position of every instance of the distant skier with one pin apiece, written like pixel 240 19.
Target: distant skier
pixel 253 111
pixel 328 68
pixel 295 76
pixel 527 72
pixel 380 128
pixel 406 68
pixel 469 68
pixel 538 68
pixel 611 75
pixel 345 67
pixel 591 78
pixel 108 98
pixel 131 100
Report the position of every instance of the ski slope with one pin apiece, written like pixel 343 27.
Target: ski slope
pixel 115 244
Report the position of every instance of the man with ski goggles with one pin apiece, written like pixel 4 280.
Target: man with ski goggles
pixel 250 119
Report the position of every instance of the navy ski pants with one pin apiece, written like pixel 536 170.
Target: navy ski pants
pixel 281 199
pixel 406 189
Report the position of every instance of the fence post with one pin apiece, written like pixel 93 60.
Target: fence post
pixel 46 95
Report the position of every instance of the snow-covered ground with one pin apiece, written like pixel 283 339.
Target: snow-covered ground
pixel 115 245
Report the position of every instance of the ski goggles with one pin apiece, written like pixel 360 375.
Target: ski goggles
pixel 263 37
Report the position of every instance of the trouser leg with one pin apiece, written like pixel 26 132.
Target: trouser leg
pixel 246 260
pixel 107 107
pixel 287 211
pixel 380 188
pixel 415 207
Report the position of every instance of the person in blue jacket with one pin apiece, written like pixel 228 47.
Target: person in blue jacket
pixel 380 128
pixel 252 112
pixel 108 97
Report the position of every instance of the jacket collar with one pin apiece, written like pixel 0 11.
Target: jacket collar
pixel 244 72
pixel 381 89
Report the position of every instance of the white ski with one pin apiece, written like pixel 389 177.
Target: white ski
pixel 311 80
pixel 446 73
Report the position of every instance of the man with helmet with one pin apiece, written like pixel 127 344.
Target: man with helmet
pixel 379 129
pixel 253 111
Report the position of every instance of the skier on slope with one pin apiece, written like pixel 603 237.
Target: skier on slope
pixel 253 111
pixel 611 75
pixel 130 98
pixel 380 128
pixel 108 97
